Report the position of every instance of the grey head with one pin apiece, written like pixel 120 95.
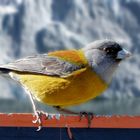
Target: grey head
pixel 104 56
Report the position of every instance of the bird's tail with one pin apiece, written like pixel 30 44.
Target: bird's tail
pixel 4 70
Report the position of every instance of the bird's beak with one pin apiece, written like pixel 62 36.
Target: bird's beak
pixel 123 54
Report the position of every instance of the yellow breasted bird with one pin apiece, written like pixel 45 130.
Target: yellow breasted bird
pixel 68 77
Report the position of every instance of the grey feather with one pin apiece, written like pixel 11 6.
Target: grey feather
pixel 42 64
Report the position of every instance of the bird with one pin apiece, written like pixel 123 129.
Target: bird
pixel 67 77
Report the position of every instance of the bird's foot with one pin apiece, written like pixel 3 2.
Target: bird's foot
pixel 38 119
pixel 88 115
pixel 40 116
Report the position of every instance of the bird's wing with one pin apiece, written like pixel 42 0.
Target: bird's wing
pixel 47 64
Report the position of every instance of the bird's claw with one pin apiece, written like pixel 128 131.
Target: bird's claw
pixel 89 117
pixel 38 119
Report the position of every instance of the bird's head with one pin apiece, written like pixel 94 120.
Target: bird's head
pixel 104 56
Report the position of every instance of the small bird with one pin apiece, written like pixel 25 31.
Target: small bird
pixel 67 77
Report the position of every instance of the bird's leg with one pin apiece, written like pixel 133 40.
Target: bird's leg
pixel 58 108
pixel 38 114
pixel 88 115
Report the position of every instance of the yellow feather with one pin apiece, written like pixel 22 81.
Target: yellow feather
pixel 79 87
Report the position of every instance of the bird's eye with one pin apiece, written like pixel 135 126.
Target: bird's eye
pixel 110 50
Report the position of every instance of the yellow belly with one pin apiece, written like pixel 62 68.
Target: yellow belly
pixel 77 88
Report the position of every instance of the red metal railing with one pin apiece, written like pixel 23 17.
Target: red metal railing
pixel 25 120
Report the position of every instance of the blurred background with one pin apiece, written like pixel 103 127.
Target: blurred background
pixel 29 27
